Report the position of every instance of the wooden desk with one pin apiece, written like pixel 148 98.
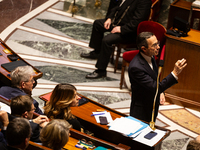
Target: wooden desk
pixel 83 113
pixel 179 8
pixel 74 138
pixel 187 91
pixel 4 74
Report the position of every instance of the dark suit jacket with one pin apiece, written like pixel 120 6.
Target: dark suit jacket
pixel 11 92
pixel 6 147
pixel 143 85
pixel 35 135
pixel 139 11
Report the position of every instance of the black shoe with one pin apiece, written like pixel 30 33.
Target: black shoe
pixel 95 75
pixel 91 55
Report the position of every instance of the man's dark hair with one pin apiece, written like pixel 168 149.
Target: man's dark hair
pixel 17 131
pixel 20 104
pixel 142 39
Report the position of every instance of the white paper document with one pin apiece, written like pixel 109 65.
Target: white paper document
pixel 5 107
pixel 140 138
pixel 125 126
pixel 104 114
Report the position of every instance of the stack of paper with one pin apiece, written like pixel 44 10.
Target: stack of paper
pixel 127 125
pixel 135 129
pixel 5 107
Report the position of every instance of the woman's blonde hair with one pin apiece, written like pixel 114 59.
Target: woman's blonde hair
pixel 59 105
pixel 55 134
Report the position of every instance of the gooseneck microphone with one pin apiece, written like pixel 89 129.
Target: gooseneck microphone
pixel 161 63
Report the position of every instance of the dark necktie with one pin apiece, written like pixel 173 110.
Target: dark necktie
pixel 154 65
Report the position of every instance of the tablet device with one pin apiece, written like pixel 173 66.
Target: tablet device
pixel 14 64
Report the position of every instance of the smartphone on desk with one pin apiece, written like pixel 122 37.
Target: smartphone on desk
pixel 103 120
pixel 150 135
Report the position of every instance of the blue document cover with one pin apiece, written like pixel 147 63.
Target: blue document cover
pixel 144 125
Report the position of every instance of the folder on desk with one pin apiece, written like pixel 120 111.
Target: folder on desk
pixel 144 125
pixel 128 126
pixel 14 64
pixel 101 148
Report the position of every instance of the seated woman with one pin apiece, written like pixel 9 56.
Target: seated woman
pixel 55 134
pixel 62 98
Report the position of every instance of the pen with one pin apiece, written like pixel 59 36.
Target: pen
pixel 97 114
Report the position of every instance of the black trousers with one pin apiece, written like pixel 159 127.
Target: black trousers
pixel 103 44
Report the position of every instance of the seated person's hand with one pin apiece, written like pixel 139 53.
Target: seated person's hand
pixel 116 29
pixel 44 124
pixel 107 23
pixel 41 119
pixel 4 118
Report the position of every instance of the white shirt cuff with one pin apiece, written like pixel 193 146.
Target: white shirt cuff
pixel 174 75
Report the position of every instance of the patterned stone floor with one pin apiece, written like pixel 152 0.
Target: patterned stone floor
pixel 51 40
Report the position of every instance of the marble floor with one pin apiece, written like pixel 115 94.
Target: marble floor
pixel 50 39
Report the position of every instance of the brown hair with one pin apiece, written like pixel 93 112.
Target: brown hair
pixel 20 104
pixel 55 134
pixel 59 105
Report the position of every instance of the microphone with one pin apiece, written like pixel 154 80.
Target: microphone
pixel 161 63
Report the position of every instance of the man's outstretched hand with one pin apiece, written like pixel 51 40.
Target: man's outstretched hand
pixel 179 66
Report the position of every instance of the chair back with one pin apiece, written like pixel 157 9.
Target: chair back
pixel 154 27
pixel 155 10
pixel 157 29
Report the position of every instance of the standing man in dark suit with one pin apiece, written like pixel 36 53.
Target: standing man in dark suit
pixel 122 22
pixel 143 74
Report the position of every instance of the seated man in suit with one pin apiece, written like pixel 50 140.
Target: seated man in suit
pixel 22 84
pixel 122 22
pixel 22 106
pixel 143 74
pixel 17 135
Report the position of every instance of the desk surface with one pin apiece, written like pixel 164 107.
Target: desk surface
pixel 71 144
pixel 5 51
pixel 74 137
pixel 182 4
pixel 83 113
pixel 193 37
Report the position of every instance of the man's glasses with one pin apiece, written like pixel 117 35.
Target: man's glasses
pixel 32 80
pixel 156 44
pixel 33 109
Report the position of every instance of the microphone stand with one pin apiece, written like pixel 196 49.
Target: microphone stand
pixel 152 123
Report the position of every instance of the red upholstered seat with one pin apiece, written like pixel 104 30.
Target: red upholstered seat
pixel 154 27
pixel 155 9
pixel 129 55
pixel 145 26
